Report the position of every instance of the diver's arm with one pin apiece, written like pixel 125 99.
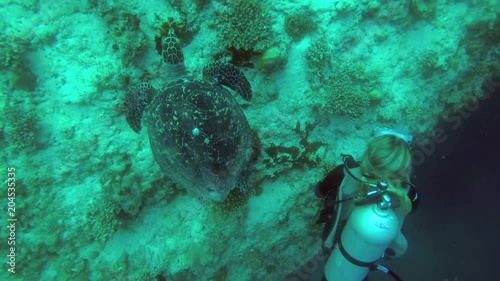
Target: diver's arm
pixel 399 245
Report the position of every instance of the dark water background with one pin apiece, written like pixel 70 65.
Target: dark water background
pixel 455 234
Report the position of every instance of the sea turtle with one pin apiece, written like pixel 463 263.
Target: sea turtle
pixel 197 131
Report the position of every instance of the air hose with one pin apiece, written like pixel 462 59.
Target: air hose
pixel 386 271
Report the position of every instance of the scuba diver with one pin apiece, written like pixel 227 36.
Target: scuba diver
pixel 365 204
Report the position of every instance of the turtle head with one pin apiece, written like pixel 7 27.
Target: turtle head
pixel 171 49
pixel 136 100
pixel 172 56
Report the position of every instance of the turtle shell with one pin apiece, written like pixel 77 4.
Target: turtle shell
pixel 199 136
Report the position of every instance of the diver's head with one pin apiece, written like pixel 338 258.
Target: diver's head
pixel 387 157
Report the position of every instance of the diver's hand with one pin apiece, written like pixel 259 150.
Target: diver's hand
pixel 326 250
pixel 389 254
pixel 398 247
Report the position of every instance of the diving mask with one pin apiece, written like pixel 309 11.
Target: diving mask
pixel 380 131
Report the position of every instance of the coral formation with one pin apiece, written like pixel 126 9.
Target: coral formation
pixel 181 26
pixel 245 26
pixel 375 96
pixel 11 50
pixel 319 60
pixel 101 219
pixel 184 7
pixel 15 43
pixel 344 97
pixel 123 187
pixel 481 42
pixel 423 9
pixel 128 38
pixel 271 59
pixel 341 86
pixel 298 24
pixel 389 11
pixel 22 130
pixel 428 62
pixel 234 201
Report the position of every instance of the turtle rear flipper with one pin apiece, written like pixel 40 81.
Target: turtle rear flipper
pixel 228 75
pixel 136 100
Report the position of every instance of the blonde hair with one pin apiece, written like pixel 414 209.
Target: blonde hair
pixel 388 158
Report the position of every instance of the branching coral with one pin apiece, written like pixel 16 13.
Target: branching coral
pixel 428 62
pixel 297 25
pixel 22 129
pixel 245 26
pixel 340 86
pixel 318 57
pixel 344 97
pixel 102 222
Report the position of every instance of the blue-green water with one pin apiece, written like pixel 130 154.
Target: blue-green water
pixel 90 201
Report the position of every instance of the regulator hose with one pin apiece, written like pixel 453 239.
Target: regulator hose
pixel 386 271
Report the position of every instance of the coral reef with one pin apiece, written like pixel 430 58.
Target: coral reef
pixel 121 186
pixel 15 43
pixel 185 26
pixel 245 29
pixel 22 130
pixel 341 87
pixel 375 96
pixel 185 7
pixel 124 25
pixel 101 219
pixel 319 60
pixel 481 42
pixel 11 50
pixel 428 63
pixel 298 24
pixel 129 39
pixel 342 96
pixel 271 59
pixel 396 12
pixel 234 201
pixel 423 9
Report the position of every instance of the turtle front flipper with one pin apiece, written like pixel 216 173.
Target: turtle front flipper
pixel 136 100
pixel 228 75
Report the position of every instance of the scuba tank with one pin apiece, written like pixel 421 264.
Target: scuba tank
pixel 370 229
